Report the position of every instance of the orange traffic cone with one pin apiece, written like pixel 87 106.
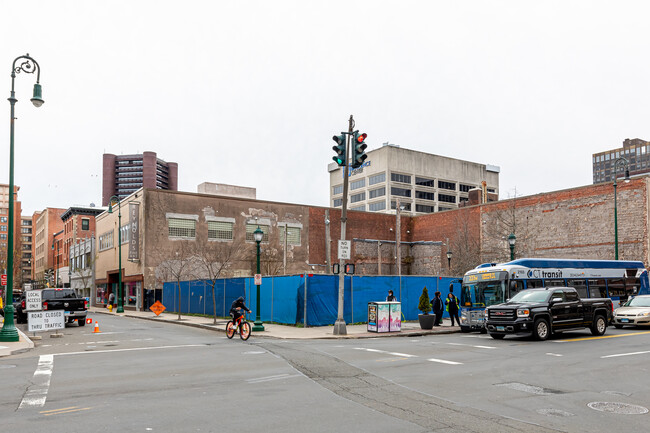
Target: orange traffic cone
pixel 96 330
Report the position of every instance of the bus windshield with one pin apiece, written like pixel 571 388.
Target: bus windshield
pixel 483 289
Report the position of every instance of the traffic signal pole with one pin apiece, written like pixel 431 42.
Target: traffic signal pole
pixel 339 325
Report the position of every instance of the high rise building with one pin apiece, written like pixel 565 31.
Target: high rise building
pixel 635 151
pixel 125 174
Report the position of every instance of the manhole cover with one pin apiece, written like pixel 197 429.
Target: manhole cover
pixel 554 412
pixel 7 366
pixel 619 408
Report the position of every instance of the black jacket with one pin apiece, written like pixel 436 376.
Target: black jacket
pixel 239 302
pixel 437 304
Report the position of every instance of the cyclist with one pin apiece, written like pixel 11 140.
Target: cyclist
pixel 236 307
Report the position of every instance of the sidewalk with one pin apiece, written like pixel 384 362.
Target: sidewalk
pixel 272 330
pixel 10 348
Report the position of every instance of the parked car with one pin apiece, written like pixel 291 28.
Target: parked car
pixel 541 312
pixel 635 312
pixel 58 299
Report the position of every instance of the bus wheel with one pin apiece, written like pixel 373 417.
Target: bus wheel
pixel 540 329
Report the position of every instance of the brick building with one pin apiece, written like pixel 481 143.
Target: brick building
pixel 4 233
pixel 78 226
pixel 124 174
pixel 47 245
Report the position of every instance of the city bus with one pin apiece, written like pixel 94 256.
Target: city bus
pixel 491 283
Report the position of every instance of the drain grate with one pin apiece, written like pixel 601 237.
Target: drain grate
pixel 618 408
pixel 554 412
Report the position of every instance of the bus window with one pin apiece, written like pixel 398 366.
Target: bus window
pixel 597 289
pixel 616 288
pixel 580 286
pixel 534 284
pixel 554 283
pixel 516 286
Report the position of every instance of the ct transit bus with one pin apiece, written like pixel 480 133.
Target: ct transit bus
pixel 491 283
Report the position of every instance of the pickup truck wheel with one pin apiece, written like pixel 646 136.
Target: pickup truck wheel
pixel 541 329
pixel 497 336
pixel 599 326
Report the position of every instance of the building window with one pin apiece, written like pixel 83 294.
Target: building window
pixel 446 185
pixel 491 190
pixel 423 181
pixel 338 202
pixel 85 224
pixel 3 236
pixel 377 192
pixel 465 188
pixel 403 178
pixel 424 208
pixel 377 178
pixel 3 219
pixel 3 228
pixel 357 197
pixel 181 228
pixel 358 184
pixel 220 230
pixel 405 206
pixel 26 231
pixel 377 206
pixel 293 235
pixel 338 189
pixel 425 195
pixel 440 209
pixel 400 192
pixel 250 228
pixel 447 198
pixel 359 208
pixel 125 233
pixel 106 241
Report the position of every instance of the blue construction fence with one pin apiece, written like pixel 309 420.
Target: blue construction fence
pixel 310 300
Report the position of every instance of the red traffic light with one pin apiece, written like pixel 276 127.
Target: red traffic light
pixel 361 137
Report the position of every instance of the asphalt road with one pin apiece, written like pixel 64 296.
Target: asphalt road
pixel 140 376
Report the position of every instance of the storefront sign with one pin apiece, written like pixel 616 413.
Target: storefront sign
pixel 134 242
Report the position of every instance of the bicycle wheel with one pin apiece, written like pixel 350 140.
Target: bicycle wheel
pixel 245 328
pixel 230 329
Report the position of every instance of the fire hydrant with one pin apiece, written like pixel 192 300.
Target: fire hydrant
pixel 110 308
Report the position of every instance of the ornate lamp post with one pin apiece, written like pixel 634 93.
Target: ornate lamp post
pixel 627 179
pixel 120 304
pixel 512 239
pixel 28 66
pixel 258 235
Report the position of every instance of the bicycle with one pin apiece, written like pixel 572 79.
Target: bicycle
pixel 240 324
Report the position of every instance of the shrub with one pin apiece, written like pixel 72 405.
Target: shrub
pixel 424 305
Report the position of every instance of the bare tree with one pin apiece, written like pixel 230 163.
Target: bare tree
pixel 270 261
pixel 465 245
pixel 498 225
pixel 181 266
pixel 85 274
pixel 215 259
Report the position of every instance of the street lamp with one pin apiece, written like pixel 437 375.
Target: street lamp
pixel 449 254
pixel 120 305
pixel 28 66
pixel 512 239
pixel 258 235
pixel 627 179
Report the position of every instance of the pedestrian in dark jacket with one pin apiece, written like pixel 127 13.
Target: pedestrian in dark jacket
pixel 452 307
pixel 438 308
pixel 236 307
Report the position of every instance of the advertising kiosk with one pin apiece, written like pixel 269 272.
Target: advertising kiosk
pixel 384 316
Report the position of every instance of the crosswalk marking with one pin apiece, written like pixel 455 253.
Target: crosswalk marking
pixel 471 345
pixel 444 361
pixel 405 355
pixel 37 393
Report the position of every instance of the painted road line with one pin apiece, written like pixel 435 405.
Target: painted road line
pixel 37 393
pixel 625 354
pixel 270 378
pixel 130 350
pixel 602 337
pixel 553 354
pixel 471 345
pixel 404 355
pixel 443 361
pixel 65 410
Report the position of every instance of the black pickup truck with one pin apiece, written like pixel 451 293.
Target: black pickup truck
pixel 540 312
pixel 58 299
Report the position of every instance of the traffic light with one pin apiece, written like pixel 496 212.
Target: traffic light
pixel 359 149
pixel 349 268
pixel 335 268
pixel 341 157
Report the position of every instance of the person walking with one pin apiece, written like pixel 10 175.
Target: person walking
pixel 438 308
pixel 452 307
pixel 111 299
pixel 391 297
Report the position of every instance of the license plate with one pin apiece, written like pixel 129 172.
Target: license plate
pixel 501 328
pixel 625 320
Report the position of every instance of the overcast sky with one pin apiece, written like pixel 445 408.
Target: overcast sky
pixel 250 92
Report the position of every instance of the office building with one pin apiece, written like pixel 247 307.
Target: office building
pixel 423 183
pixel 125 174
pixel 636 152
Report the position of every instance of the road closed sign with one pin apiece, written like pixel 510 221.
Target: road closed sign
pixel 45 320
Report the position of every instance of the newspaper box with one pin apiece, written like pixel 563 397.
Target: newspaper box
pixel 384 316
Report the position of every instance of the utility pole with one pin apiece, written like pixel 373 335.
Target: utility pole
pixel 339 325
pixel 328 241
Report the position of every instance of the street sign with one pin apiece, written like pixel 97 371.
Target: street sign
pixel 33 300
pixel 258 279
pixel 157 308
pixel 45 320
pixel 3 280
pixel 344 249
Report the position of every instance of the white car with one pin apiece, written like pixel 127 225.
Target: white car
pixel 634 312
